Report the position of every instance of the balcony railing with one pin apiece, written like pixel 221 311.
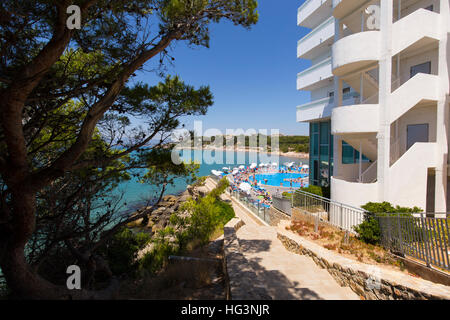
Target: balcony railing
pixel 327 211
pixel 308 8
pixel 315 73
pixel 421 236
pixel 314 38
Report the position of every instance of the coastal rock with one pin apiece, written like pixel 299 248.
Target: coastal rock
pixel 202 191
pixel 184 197
pixel 159 211
pixel 168 201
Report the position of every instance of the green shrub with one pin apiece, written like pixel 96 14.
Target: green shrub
pixel 287 195
pixel 207 215
pixel 157 258
pixel 121 251
pixel 369 230
pixel 314 190
pixel 386 207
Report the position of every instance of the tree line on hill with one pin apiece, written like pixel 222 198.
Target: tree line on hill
pixel 285 143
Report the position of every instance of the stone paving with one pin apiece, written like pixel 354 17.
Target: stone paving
pixel 285 275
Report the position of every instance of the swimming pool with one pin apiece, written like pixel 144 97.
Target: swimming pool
pixel 278 179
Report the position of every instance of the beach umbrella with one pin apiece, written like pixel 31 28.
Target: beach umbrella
pixel 235 172
pixel 244 186
pixel 305 166
pixel 274 164
pixel 216 173
pixel 253 166
pixel 225 169
pixel 242 167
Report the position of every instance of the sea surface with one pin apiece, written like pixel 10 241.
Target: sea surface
pixel 135 194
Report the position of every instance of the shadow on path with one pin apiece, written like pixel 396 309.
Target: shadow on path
pixel 266 284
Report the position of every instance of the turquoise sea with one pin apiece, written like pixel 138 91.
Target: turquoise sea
pixel 135 194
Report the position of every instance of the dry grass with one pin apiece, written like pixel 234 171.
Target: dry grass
pixel 334 240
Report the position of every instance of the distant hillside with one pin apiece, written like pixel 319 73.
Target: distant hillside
pixel 286 143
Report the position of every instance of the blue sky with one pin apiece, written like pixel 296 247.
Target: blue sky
pixel 252 73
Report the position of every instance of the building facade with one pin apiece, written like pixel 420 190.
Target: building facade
pixel 379 84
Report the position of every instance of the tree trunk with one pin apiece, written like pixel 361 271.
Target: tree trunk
pixel 25 283
pixel 22 280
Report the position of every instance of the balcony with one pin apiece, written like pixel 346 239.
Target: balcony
pixel 422 88
pixel 410 35
pixel 316 76
pixel 315 110
pixel 353 193
pixel 343 8
pixel 321 108
pixel 312 12
pixel 355 119
pixel 355 52
pixel 317 41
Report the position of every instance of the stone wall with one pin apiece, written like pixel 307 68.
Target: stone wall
pixel 370 282
pixel 237 268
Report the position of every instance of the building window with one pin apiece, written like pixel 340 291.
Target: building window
pixel 350 155
pixel 321 153
pixel 420 68
pixel 315 170
pixel 416 133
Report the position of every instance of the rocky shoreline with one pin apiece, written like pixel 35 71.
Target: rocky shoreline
pixel 158 219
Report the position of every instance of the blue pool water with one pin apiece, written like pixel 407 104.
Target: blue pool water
pixel 278 179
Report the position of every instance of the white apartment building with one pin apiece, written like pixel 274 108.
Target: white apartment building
pixel 379 84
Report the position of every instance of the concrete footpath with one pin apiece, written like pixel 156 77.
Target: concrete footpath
pixel 284 275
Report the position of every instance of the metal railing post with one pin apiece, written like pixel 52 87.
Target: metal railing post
pixel 425 240
pixel 400 236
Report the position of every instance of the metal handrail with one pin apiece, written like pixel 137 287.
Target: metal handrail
pixel 334 213
pixel 417 235
pixel 331 201
pixel 372 169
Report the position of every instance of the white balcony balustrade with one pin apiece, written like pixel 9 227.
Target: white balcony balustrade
pixel 315 76
pixel 312 12
pixel 317 41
